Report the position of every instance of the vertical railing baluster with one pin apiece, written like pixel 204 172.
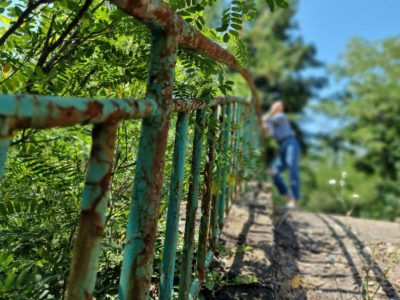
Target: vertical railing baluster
pixel 206 201
pixel 82 278
pixel 236 146
pixel 256 142
pixel 242 148
pixel 175 195
pixel 137 265
pixel 5 133
pixel 186 270
pixel 217 181
pixel 224 168
pixel 247 138
pixel 231 151
pixel 256 136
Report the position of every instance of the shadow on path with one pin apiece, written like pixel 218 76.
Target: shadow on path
pixel 287 253
pixel 350 262
pixel 315 242
pixel 233 288
pixel 237 264
pixel 380 276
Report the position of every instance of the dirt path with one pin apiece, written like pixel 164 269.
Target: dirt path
pixel 245 264
pixel 301 255
pixel 341 257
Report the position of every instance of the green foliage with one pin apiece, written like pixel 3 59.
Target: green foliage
pixel 41 183
pixel 215 279
pixel 369 137
pixel 279 55
pixel 331 184
pixel 233 17
pixel 372 102
pixel 277 3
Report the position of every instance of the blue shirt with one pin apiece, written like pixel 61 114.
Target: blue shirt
pixel 279 127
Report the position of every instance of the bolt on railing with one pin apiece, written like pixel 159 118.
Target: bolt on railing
pixel 236 118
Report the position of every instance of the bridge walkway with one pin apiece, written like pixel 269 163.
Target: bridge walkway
pixel 278 254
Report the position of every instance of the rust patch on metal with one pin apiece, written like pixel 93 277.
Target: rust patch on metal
pixel 94 108
pixel 93 219
pixel 88 296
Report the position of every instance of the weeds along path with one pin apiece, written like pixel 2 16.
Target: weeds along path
pixel 243 268
pixel 278 254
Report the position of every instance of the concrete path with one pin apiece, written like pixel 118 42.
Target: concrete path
pixel 281 254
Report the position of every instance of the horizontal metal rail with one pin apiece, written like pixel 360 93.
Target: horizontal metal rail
pixel 33 111
pixel 228 125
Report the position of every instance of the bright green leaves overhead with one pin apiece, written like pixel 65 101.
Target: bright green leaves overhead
pixel 179 4
pixel 5 20
pixel 233 18
pixel 59 51
pixel 194 15
pixel 105 51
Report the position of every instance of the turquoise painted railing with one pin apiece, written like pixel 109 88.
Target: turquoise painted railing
pixel 236 118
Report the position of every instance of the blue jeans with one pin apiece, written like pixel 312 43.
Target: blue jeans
pixel 288 158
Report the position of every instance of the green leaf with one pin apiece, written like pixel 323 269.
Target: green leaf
pixel 22 277
pixel 3 209
pixel 5 3
pixel 9 282
pixel 222 28
pixel 5 20
pixel 236 26
pixel 226 37
pixel 271 4
pixel 282 3
pixel 198 24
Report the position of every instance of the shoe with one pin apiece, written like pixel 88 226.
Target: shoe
pixel 290 205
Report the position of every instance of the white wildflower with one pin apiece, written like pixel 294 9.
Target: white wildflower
pixel 332 182
pixel 344 174
pixel 356 196
pixel 341 182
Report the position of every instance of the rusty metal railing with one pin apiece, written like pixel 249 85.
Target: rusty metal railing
pixel 237 118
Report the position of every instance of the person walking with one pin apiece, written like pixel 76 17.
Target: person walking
pixel 276 124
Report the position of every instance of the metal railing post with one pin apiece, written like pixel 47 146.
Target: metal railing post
pixel 231 160
pixel 236 147
pixel 187 257
pixel 137 265
pixel 175 196
pixel 248 141
pixel 82 277
pixel 207 194
pixel 5 132
pixel 224 168
pixel 216 186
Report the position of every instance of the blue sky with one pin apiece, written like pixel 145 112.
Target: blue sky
pixel 330 24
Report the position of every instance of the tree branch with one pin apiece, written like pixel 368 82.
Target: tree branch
pixel 25 137
pixel 86 79
pixel 64 52
pixel 24 15
pixel 50 48
pixel 47 49
pixel 97 6
pixel 48 35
